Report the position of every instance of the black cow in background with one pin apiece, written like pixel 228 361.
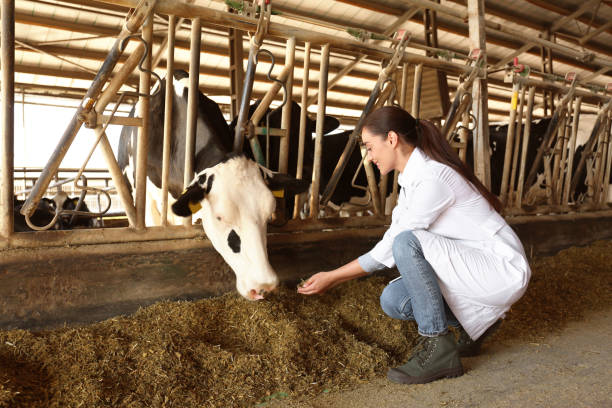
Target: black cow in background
pixel 213 138
pixel 497 140
pixel 45 212
pixel 213 145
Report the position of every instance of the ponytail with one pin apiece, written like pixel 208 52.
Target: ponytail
pixel 426 136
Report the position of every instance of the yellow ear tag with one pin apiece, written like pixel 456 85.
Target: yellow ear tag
pixel 278 193
pixel 194 207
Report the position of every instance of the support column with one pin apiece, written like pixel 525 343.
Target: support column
pixel 7 44
pixel 480 96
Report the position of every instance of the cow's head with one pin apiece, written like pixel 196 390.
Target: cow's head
pixel 235 202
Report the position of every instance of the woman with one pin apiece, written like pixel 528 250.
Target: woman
pixel 460 263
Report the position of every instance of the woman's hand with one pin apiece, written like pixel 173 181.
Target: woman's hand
pixel 322 281
pixel 317 283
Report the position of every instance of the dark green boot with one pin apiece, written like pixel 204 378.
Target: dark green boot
pixel 470 348
pixel 433 358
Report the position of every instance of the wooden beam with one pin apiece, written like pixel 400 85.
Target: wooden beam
pixel 580 11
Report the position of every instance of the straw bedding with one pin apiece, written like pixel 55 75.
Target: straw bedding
pixel 226 351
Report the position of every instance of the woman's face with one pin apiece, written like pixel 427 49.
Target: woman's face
pixel 380 150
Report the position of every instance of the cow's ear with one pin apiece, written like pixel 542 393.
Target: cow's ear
pixel 189 202
pixel 283 185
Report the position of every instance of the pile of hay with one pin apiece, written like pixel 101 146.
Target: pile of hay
pixel 225 351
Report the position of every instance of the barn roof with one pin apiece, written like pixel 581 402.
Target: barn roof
pixel 60 44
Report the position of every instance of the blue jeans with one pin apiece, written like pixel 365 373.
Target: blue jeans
pixel 416 294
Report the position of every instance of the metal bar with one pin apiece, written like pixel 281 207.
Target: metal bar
pixel 597 127
pixel 283 159
pixel 303 120
pixel 554 124
pixel 517 142
pixel 316 168
pixel 583 40
pixel 67 61
pixel 509 143
pixel 606 176
pixel 225 19
pixel 570 155
pixel 169 100
pixel 132 24
pixel 416 91
pixel 480 107
pixel 166 42
pixel 580 11
pixel 599 164
pixel 123 190
pixel 7 45
pixel 560 153
pixel 142 150
pixel 192 105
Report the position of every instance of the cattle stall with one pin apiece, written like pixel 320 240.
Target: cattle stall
pixel 459 87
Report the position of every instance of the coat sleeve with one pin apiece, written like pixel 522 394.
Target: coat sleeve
pixel 427 200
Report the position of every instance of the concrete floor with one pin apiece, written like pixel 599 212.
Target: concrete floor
pixel 571 368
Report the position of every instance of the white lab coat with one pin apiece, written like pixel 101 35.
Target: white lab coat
pixel 478 259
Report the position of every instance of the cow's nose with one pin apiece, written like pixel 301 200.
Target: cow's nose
pixel 259 294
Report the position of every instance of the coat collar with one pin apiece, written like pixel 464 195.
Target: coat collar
pixel 413 168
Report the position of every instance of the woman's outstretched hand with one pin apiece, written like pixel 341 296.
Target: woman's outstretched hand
pixel 317 283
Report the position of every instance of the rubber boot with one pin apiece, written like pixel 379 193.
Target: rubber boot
pixel 471 348
pixel 432 359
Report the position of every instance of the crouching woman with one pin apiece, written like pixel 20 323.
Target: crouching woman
pixel 460 263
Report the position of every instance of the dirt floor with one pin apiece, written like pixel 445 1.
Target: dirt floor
pixel 571 368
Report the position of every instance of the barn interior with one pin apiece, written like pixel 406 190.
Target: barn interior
pixel 479 70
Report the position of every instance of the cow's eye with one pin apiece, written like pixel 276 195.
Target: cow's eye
pixel 218 218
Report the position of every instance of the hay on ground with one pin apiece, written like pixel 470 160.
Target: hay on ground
pixel 226 351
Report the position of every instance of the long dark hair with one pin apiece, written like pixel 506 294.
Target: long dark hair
pixel 426 136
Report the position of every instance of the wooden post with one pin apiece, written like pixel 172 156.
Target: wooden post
pixel 7 45
pixel 283 159
pixel 322 100
pixel 480 96
pixel 142 149
pixel 303 119
pixel 169 98
pixel 192 104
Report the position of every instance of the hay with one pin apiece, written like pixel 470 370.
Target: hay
pixel 225 351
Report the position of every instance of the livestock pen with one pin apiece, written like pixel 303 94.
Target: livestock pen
pixel 459 64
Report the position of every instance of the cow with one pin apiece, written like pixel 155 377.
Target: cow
pixel 273 119
pixel 45 213
pixel 230 193
pixel 497 140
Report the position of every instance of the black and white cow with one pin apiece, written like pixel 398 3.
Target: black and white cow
pixel 497 139
pixel 230 192
pixel 45 213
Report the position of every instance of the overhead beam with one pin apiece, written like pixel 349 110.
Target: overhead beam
pixel 580 11
pixel 524 20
